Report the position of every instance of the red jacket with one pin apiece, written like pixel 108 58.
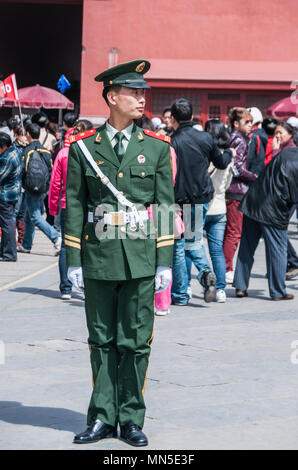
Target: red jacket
pixel 268 153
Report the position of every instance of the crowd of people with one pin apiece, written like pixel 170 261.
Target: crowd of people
pixel 217 169
pixel 234 182
pixel 33 166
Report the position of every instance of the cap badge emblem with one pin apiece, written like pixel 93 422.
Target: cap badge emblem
pixel 140 67
pixel 141 159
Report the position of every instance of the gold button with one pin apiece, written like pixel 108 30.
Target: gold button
pixel 120 175
pixel 122 229
pixel 86 237
pixel 143 173
pixel 121 192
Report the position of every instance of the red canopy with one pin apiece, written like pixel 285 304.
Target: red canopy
pixel 39 97
pixel 284 108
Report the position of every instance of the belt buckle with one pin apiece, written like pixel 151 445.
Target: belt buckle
pixel 118 218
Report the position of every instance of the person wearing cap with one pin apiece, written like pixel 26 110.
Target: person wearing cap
pixel 159 127
pixel 119 259
pixel 257 143
pixel 293 121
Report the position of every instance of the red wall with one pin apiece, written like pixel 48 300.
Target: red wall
pixel 253 30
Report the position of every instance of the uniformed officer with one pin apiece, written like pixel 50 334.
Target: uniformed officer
pixel 120 256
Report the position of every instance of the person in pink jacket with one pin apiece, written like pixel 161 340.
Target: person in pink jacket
pixel 57 200
pixel 163 299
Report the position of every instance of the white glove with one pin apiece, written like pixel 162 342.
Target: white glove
pixel 163 278
pixel 75 275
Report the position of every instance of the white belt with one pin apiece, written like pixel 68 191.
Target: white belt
pixel 121 218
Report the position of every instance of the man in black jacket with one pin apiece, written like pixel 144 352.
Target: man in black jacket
pixel 267 209
pixel 193 188
pixel 257 143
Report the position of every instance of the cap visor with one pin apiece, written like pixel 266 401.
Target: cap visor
pixel 135 85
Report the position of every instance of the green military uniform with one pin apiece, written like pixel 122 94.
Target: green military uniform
pixel 119 272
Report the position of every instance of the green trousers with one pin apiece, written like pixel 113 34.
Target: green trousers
pixel 120 316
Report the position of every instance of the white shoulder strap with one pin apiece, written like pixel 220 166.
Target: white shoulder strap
pixel 104 179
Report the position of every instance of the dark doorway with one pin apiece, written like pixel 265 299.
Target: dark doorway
pixel 39 42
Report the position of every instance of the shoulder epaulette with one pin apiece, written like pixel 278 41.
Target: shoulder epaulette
pixel 165 138
pixel 81 135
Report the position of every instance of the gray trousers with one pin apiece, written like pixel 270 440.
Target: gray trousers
pixel 276 255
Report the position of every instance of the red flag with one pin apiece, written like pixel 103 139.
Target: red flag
pixel 9 89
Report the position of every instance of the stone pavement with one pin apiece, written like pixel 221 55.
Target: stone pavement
pixel 221 376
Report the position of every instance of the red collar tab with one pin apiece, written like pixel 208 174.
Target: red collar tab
pixel 82 135
pixel 164 138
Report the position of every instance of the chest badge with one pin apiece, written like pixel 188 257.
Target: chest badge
pixel 99 162
pixel 141 159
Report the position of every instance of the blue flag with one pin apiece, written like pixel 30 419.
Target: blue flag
pixel 63 84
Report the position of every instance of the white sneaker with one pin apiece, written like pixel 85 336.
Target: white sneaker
pixel 161 313
pixel 229 277
pixel 57 246
pixel 21 249
pixel 220 296
pixel 189 291
pixel 65 296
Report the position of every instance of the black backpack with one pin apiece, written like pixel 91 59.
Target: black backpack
pixel 37 175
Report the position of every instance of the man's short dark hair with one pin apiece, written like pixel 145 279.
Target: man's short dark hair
pixel 5 140
pixel 39 118
pixel 12 123
pixel 181 110
pixel 34 130
pixel 105 91
pixel 26 121
pixel 168 108
pixel 82 125
pixel 69 119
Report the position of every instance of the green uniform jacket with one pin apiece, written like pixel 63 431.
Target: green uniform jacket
pixel 145 180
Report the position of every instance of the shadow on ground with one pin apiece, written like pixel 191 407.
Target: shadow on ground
pixel 40 253
pixel 252 293
pixel 56 418
pixel 54 294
